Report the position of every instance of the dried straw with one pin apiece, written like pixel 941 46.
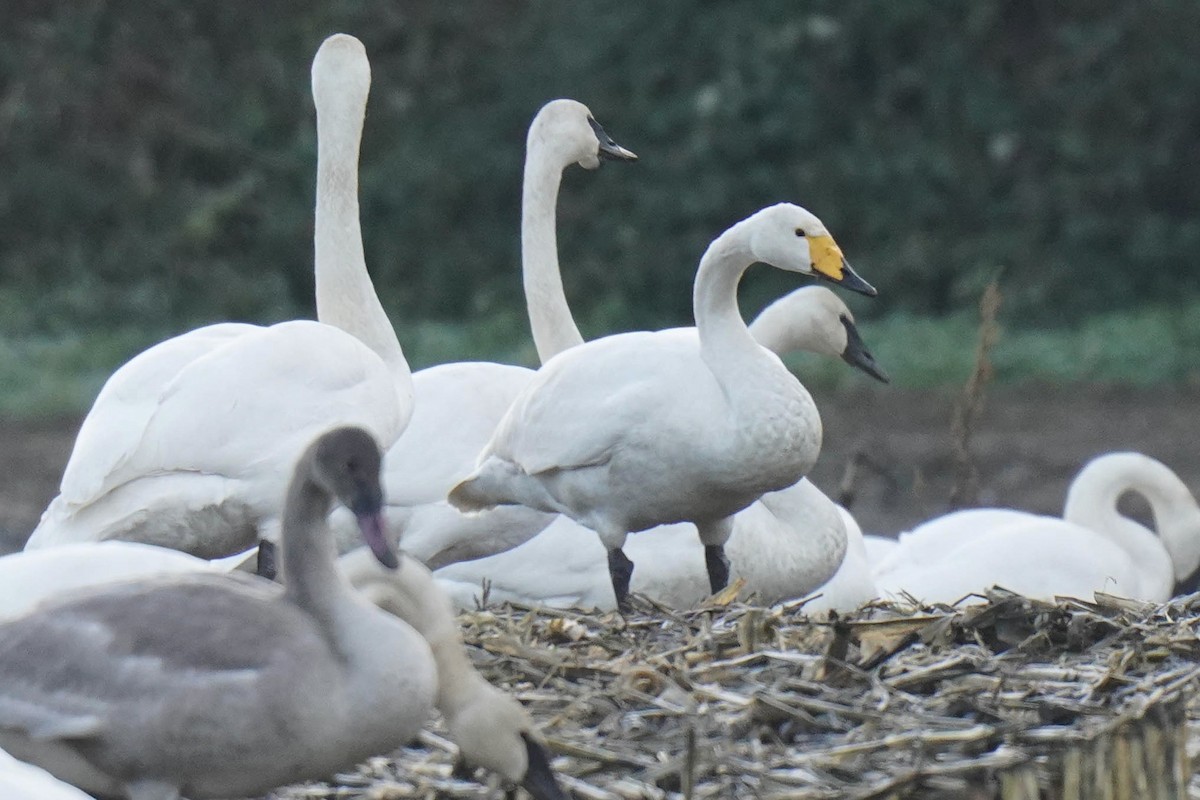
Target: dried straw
pixel 1013 699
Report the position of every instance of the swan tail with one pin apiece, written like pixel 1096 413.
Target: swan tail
pixel 499 483
pixel 468 496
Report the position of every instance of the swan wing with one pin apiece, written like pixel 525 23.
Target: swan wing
pixel 117 658
pixel 589 400
pixel 249 405
pixel 117 420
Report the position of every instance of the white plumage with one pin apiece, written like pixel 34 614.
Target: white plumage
pixel 641 429
pixel 783 546
pixel 458 405
pixel 1091 548
pixel 190 443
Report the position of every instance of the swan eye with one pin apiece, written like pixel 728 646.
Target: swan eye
pixel 800 231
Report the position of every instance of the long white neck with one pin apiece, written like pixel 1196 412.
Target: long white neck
pixel 1092 502
pixel 554 328
pixel 725 342
pixel 346 297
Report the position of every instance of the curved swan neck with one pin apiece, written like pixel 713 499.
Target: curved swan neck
pixel 724 338
pixel 554 328
pixel 411 594
pixel 310 577
pixel 1092 502
pixel 346 296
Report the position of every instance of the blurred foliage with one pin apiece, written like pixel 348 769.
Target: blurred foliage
pixel 44 376
pixel 158 157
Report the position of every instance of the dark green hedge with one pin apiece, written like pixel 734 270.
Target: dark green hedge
pixel 156 157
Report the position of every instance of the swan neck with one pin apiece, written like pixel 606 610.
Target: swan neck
pixel 309 573
pixel 724 338
pixel 411 594
pixel 1093 496
pixel 346 297
pixel 553 327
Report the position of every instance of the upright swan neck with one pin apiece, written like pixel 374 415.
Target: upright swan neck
pixel 554 328
pixel 724 338
pixel 1092 502
pixel 346 297
pixel 310 576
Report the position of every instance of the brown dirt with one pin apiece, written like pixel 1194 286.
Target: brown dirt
pixel 1028 444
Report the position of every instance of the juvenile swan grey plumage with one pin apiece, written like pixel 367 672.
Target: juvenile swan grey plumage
pixel 217 686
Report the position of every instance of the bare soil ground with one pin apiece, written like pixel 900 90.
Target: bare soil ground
pixel 1027 445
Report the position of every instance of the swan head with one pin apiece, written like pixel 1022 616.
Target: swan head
pixel 567 130
pixel 815 320
pixel 792 238
pixel 346 463
pixel 495 732
pixel 341 73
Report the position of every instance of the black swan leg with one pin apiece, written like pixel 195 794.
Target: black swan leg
pixel 718 566
pixel 266 560
pixel 620 570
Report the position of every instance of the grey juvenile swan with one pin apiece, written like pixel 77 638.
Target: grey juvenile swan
pixel 213 686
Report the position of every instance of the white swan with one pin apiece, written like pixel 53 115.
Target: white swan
pixel 674 430
pixel 188 444
pixel 783 546
pixel 458 405
pixel 1092 548
pixel 211 686
pixel 511 746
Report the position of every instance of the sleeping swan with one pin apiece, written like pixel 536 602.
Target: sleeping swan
pixel 1091 548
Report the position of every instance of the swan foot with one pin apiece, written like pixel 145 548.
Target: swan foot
pixel 266 560
pixel 620 570
pixel 717 565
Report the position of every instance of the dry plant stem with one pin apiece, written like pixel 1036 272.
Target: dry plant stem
pixel 1011 699
pixel 969 409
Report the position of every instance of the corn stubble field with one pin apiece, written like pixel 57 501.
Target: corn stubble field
pixel 1013 700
